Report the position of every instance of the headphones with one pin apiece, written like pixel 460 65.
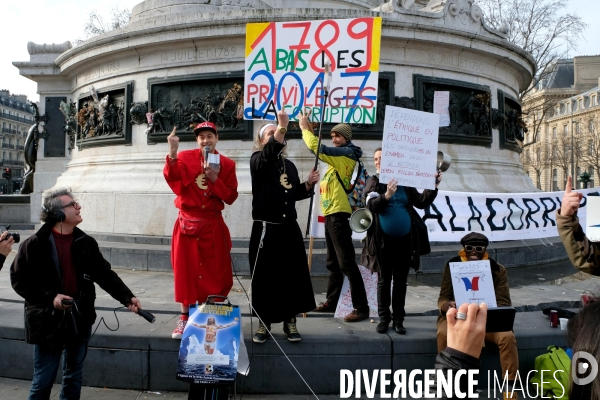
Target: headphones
pixel 55 214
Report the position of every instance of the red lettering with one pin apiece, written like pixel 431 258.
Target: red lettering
pixel 367 34
pixel 252 90
pixel 264 91
pixel 324 48
pixel 350 97
pixel 302 44
pixel 272 28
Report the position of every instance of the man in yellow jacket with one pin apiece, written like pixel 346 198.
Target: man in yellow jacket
pixel 341 158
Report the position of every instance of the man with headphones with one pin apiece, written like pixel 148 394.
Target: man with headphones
pixel 54 271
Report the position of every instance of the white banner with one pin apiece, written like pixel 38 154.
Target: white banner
pixel 499 216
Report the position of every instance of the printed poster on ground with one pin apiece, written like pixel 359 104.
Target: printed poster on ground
pixel 285 67
pixel 210 345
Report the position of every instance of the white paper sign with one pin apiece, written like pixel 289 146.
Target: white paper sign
pixel 592 229
pixel 344 306
pixel 410 143
pixel 472 283
pixel 441 101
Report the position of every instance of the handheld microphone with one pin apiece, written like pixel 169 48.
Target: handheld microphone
pixel 205 153
pixel 146 315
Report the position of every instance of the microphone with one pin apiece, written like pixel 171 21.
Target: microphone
pixel 205 153
pixel 146 315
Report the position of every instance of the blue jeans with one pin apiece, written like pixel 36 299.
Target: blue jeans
pixel 45 367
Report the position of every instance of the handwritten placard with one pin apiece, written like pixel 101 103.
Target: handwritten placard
pixel 285 67
pixel 410 142
pixel 441 101
pixel 472 282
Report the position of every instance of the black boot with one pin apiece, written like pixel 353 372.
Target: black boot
pixel 399 328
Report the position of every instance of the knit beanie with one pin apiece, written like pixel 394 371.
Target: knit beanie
pixel 343 129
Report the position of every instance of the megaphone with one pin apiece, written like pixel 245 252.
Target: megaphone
pixel 361 220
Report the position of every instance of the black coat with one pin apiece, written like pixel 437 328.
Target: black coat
pixel 36 276
pixel 371 255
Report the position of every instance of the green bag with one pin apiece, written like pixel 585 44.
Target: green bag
pixel 557 367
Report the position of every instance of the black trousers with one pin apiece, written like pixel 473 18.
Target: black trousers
pixel 395 264
pixel 341 261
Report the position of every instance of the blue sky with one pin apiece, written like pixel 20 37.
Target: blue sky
pixel 55 21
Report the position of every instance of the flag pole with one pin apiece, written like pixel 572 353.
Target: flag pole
pixel 315 168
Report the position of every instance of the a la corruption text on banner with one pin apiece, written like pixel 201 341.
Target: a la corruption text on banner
pixel 410 143
pixel 499 216
pixel 285 67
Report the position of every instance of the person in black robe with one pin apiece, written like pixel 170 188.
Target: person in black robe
pixel 281 286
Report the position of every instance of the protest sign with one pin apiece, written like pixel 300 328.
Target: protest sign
pixel 441 101
pixel 472 283
pixel 285 67
pixel 211 345
pixel 592 230
pixel 410 142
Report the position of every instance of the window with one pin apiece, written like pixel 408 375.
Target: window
pixel 579 183
pixel 569 107
pixel 566 130
pixel 555 180
pixel 591 174
pixel 594 100
pixel 554 133
pixel 580 106
pixel 577 128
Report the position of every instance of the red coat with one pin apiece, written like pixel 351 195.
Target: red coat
pixel 201 245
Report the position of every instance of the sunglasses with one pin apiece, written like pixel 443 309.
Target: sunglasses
pixel 479 249
pixel 73 204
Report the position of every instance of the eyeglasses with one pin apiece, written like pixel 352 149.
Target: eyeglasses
pixel 73 204
pixel 479 249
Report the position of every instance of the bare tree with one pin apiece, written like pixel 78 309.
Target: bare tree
pixel 97 24
pixel 561 155
pixel 590 142
pixel 537 160
pixel 540 27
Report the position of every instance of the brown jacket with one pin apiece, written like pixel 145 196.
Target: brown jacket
pixel 499 277
pixel 584 255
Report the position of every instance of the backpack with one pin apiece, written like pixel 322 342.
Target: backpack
pixel 556 359
pixel 356 190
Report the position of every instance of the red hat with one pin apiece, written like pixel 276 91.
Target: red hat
pixel 205 126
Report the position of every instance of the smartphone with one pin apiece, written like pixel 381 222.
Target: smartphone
pixel 500 319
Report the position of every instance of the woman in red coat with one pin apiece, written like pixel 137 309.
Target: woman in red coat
pixel 201 242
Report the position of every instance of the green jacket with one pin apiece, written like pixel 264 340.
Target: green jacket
pixel 584 255
pixel 341 159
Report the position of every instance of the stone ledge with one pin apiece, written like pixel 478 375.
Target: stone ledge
pixel 143 356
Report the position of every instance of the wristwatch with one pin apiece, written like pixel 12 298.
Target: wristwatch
pixel 282 129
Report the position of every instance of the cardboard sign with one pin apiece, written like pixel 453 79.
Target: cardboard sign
pixel 592 229
pixel 285 67
pixel 441 101
pixel 210 345
pixel 472 283
pixel 410 143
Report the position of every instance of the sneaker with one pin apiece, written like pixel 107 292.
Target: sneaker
pixel 290 330
pixel 356 316
pixel 382 326
pixel 178 332
pixel 325 307
pixel 399 328
pixel 262 334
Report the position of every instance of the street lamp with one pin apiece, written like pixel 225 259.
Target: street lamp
pixel 584 178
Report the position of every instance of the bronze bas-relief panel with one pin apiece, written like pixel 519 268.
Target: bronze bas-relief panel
pixel 185 101
pixel 102 117
pixel 510 122
pixel 469 109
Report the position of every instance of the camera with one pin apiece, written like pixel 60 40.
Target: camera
pixel 16 237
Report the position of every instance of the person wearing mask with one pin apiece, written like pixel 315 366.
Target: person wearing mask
pixel 391 247
pixel 281 285
pixel 201 242
pixel 340 260
pixel 55 271
pixel 475 248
